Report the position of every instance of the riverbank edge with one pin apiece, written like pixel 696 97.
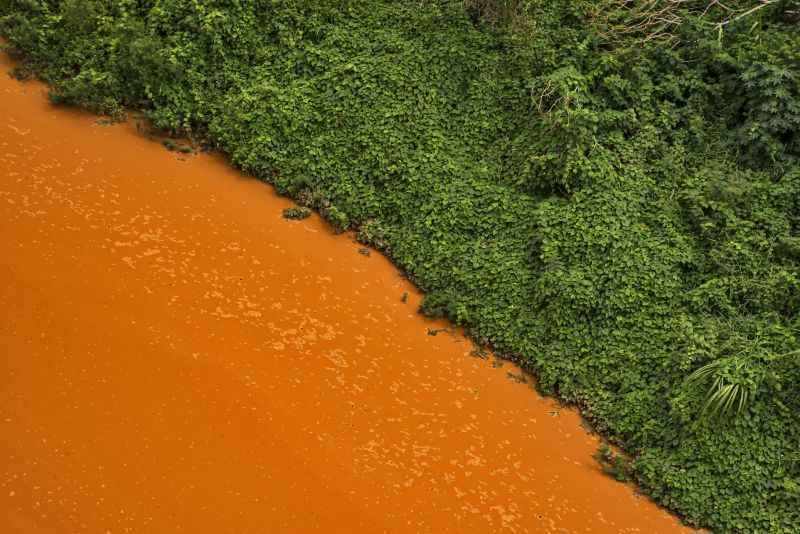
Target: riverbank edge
pixel 309 199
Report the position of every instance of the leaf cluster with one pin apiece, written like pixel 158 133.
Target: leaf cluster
pixel 620 215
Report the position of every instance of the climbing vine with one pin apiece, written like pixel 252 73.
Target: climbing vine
pixel 607 191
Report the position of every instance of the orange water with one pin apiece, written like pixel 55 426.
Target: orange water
pixel 176 357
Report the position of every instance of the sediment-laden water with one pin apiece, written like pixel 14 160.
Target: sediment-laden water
pixel 177 357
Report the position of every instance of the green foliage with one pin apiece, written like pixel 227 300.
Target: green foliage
pixel 613 464
pixel 732 385
pixel 298 213
pixel 620 214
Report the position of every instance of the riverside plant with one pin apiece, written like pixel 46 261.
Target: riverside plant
pixel 615 209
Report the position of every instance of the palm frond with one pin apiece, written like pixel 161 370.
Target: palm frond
pixel 729 392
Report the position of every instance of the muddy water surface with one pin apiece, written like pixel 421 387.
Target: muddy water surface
pixel 176 357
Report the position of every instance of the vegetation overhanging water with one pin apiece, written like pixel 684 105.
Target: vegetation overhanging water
pixel 177 356
pixel 608 194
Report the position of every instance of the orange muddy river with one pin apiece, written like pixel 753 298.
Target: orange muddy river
pixel 177 357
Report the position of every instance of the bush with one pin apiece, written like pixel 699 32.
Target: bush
pixel 296 213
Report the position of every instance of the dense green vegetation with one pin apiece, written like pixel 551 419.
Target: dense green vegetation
pixel 607 190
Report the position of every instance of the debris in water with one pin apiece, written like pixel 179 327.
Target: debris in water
pixel 296 213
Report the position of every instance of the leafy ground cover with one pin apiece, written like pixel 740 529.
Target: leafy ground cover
pixel 607 191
